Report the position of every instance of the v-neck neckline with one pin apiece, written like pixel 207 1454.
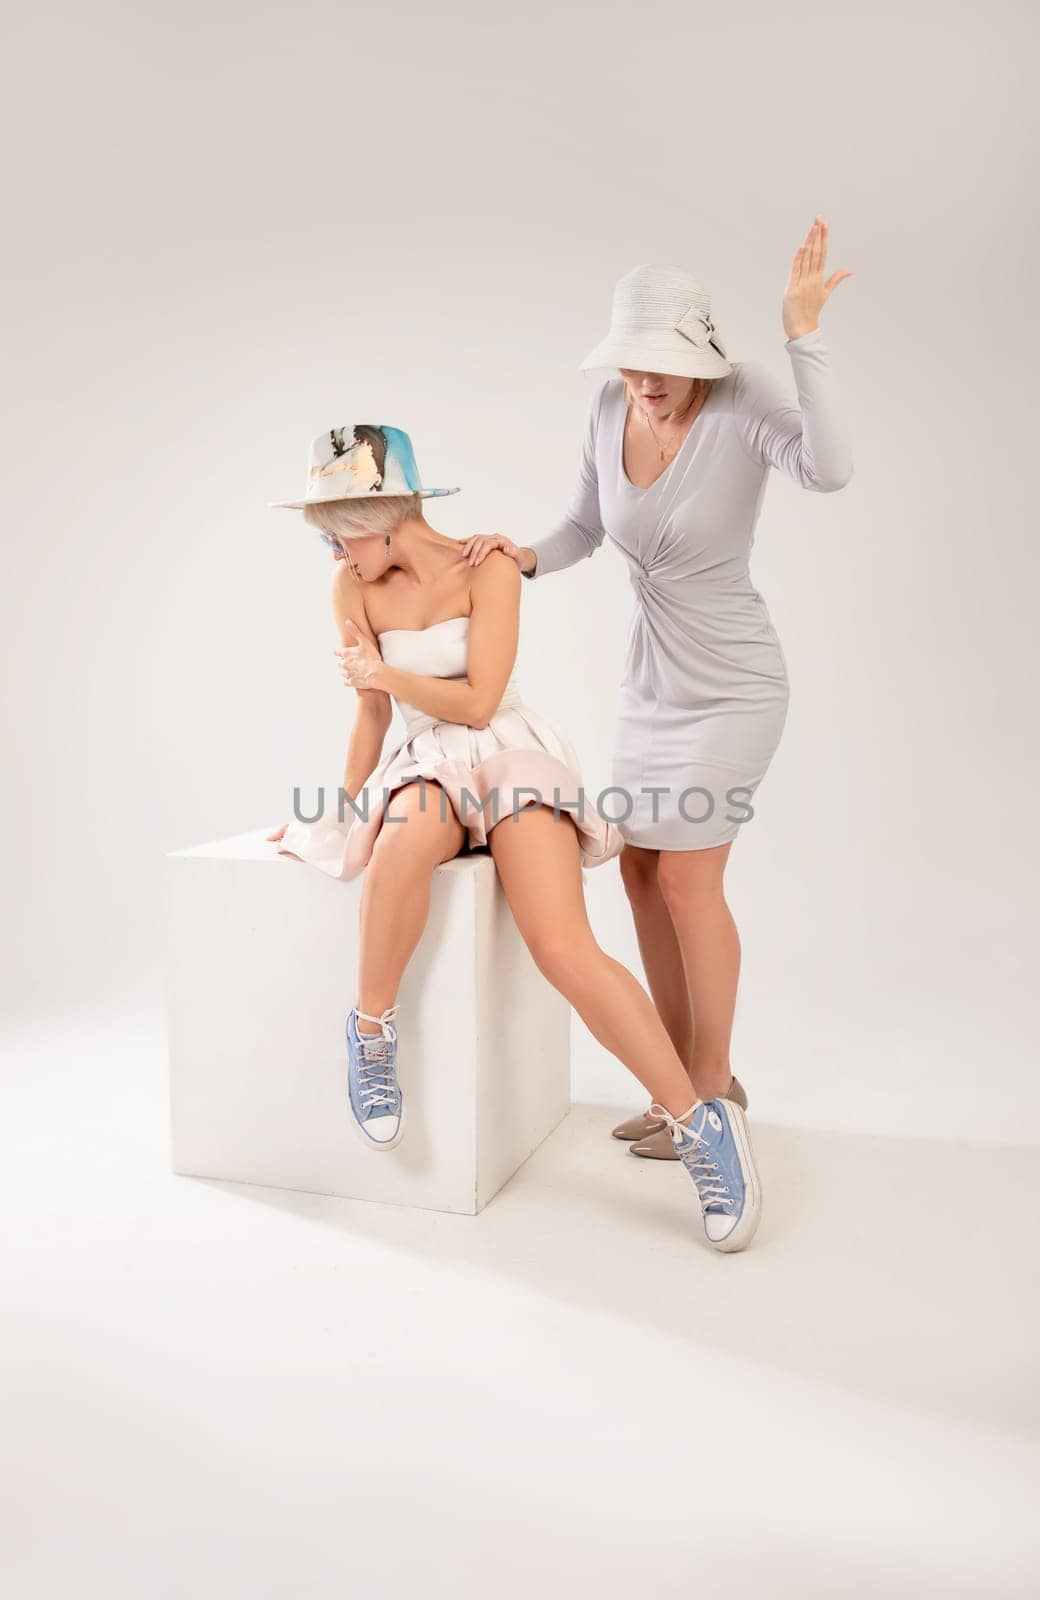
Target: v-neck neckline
pixel 635 488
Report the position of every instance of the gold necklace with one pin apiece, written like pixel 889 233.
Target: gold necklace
pixel 660 446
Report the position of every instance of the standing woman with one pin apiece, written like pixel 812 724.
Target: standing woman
pixel 674 466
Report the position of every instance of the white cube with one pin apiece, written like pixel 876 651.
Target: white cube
pixel 262 973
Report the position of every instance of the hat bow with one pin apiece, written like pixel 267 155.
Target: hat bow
pixel 696 326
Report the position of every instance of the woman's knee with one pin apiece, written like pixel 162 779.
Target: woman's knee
pixel 418 828
pixel 563 961
pixel 688 878
pixel 639 873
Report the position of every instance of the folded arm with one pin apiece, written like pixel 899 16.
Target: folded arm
pixel 492 638
pixel 808 440
pixel 374 711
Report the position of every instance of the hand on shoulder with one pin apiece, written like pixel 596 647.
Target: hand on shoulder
pixel 478 546
pixel 497 573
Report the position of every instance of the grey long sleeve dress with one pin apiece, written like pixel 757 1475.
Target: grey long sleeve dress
pixel 704 693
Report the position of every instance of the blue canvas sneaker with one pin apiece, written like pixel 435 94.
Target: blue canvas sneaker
pixel 375 1094
pixel 714 1145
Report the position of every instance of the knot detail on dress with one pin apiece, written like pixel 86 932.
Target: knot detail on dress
pixel 641 577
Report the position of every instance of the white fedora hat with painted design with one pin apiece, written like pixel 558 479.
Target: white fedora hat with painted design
pixel 360 461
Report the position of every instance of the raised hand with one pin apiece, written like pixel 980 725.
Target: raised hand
pixel 806 293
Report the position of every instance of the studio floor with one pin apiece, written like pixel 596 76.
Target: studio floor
pixel 221 1390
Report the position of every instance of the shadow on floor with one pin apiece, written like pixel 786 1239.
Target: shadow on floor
pixel 902 1270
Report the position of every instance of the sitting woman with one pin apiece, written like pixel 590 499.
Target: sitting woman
pixel 477 768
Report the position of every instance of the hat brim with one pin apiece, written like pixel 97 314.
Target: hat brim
pixel 338 500
pixel 668 357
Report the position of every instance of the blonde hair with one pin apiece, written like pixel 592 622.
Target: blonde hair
pixel 352 519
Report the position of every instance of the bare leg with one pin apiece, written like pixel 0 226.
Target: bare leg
pixel 539 864
pixel 658 946
pixel 395 894
pixel 691 884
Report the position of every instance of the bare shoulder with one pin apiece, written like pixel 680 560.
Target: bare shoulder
pixel 496 578
pixel 348 601
pixel 346 590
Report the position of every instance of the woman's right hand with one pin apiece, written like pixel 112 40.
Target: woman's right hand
pixel 278 833
pixel 477 546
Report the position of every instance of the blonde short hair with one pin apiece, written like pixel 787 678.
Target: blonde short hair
pixel 352 519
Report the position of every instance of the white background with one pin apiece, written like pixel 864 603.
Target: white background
pixel 230 232
pixel 228 227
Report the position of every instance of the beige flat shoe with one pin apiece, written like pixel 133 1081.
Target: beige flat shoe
pixel 639 1127
pixel 658 1146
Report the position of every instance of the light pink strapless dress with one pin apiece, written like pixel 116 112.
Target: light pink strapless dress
pixel 519 750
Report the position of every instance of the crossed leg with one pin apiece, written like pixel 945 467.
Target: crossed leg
pixel 690 949
pixel 658 946
pixel 539 863
pixel 691 885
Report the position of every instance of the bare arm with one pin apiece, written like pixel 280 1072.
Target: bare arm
pixel 374 711
pixel 494 629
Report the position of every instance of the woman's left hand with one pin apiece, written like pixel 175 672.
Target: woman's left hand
pixel 358 662
pixel 806 293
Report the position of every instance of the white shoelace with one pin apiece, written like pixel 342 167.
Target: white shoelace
pixel 376 1081
pixel 694 1153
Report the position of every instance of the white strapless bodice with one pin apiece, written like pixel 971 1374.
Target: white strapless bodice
pixel 439 651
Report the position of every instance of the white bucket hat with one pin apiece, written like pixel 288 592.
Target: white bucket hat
pixel 661 322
